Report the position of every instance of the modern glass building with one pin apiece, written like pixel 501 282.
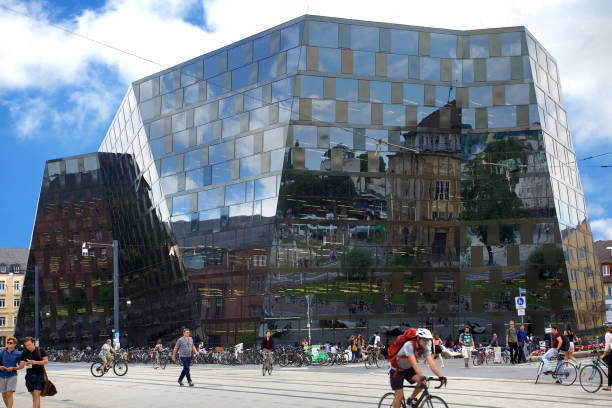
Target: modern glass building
pixel 326 175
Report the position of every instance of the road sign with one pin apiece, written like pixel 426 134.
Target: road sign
pixel 520 302
pixel 522 291
pixel 521 312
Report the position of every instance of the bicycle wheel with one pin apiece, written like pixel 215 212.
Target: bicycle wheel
pixel 162 363
pixel 120 368
pixel 368 362
pixel 475 361
pixel 434 402
pixel 283 360
pixel 489 358
pixel 387 401
pixel 590 378
pixel 96 369
pixel 568 377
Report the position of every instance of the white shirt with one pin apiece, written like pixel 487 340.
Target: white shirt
pixel 376 341
pixel 608 340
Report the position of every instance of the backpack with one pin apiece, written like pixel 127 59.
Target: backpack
pixel 395 347
pixel 566 343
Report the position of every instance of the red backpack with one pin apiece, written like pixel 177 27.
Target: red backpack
pixel 394 348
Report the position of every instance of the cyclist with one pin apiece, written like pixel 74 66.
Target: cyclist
pixel 607 355
pixel 106 354
pixel 467 344
pixel 408 367
pixel 559 343
pixel 157 350
pixel 375 344
pixel 267 346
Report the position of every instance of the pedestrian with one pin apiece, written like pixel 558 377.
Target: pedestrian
pixel 437 348
pixel 35 358
pixel 10 362
pixel 571 336
pixel 607 355
pixel 467 343
pixel 494 341
pixel 512 342
pixel 360 346
pixel 184 346
pixel 521 337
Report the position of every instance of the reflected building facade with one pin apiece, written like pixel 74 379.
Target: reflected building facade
pixel 400 175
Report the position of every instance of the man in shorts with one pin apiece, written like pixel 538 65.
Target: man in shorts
pixel 106 354
pixel 10 362
pixel 35 358
pixel 467 344
pixel 409 369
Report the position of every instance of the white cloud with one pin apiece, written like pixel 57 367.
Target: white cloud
pixel 602 229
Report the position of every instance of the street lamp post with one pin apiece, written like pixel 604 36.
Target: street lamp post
pixel 36 305
pixel 308 301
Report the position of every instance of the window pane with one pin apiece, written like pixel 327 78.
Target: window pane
pixel 443 45
pixel 166 83
pixel 201 115
pixel 517 94
pixel 217 153
pixel 498 69
pixel 230 126
pixel 430 68
pixel 180 141
pixel 168 165
pixel 205 134
pixel 207 199
pixel 364 38
pixel 363 63
pixel 394 115
pixel 468 71
pixel 191 95
pixel 414 94
pixel 423 112
pixel 311 87
pixel 479 46
pixel 221 173
pixel 215 86
pixel 329 60
pixel 480 96
pixel 261 47
pixel 511 44
pixel 502 116
pixel 169 102
pixel 157 129
pixel 290 37
pixel 235 193
pixel 181 204
pixel 227 107
pixel 244 146
pixel 282 89
pixel 444 95
pixel 194 179
pixel 468 118
pixel 380 92
pixel 212 66
pixel 305 136
pixel 314 158
pixel 250 166
pixel 323 34
pixel 265 188
pixel 273 139
pixel 259 118
pixel 240 77
pixel 189 74
pixel 277 157
pixel 252 99
pixel 397 66
pixel 158 147
pixel 359 113
pixel 404 42
pixel 340 136
pixel 191 160
pixel 346 89
pixel 235 56
pixel 323 110
pixel 267 68
pixel 169 184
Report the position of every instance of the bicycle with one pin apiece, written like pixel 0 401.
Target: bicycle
pixel 163 359
pixel 592 375
pixel 565 371
pixel 373 357
pixel 119 366
pixel 485 355
pixel 426 400
pixel 268 362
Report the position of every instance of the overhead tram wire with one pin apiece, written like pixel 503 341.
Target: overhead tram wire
pixel 56 26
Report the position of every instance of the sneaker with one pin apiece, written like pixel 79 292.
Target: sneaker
pixel 181 383
pixel 413 402
pixel 190 384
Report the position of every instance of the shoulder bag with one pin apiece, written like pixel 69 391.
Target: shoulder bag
pixel 49 389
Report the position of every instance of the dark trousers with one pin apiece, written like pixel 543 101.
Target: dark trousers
pixel 514 352
pixel 521 354
pixel 185 373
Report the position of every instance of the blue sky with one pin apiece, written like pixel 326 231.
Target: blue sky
pixel 59 92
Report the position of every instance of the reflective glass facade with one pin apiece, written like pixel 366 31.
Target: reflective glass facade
pixel 400 175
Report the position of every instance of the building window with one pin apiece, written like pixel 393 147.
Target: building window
pixel 2 303
pixel 16 302
pixel 16 286
pixel 260 260
pixel 15 268
pixel 2 287
pixel 442 188
pixel 605 270
pixel 3 268
pixel 2 321
pixel 610 290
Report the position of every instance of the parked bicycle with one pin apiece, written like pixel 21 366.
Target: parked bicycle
pixel 565 371
pixel 485 355
pixel 425 401
pixel 119 366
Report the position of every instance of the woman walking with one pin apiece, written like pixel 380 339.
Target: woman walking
pixel 569 354
pixel 437 348
pixel 607 355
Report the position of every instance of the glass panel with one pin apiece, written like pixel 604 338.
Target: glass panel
pixel 230 126
pixel 329 60
pixel 468 71
pixel 191 160
pixel 397 66
pixel 215 86
pixel 166 83
pixel 206 134
pixel 468 118
pixel 273 139
pixel 414 94
pixel 423 112
pixel 252 99
pixel 194 179
pixel 517 94
pixel 235 193
pixel 340 136
pixel 227 107
pixel 261 47
pixel 404 42
pixel 282 89
pixel 323 110
pixel 293 57
pixel 157 129
pixel 217 153
pixel 207 199
pixel 364 38
pixel 250 166
pixel 444 95
pixel 168 165
pixel 191 95
pixel 169 184
pixel 267 68
pixel 314 158
pixel 259 118
pixel 221 173
pixel 480 96
pixel 498 69
pixel 181 204
pixel 240 77
pixel 201 115
pixel 244 146
pixel 180 141
pixel 443 45
pixel 158 147
pixel 479 46
pixel 290 37
pixel 212 66
pixel 534 115
pixel 265 188
pixel 380 92
pixel 430 68
pixel 146 90
pixel 323 34
pixel 277 158
pixel 372 137
pixel 363 63
pixel 359 113
pixel 189 74
pixel 511 44
pixel 305 136
pixel 311 87
pixel 235 56
pixel 169 102
pixel 179 122
pixel 394 115
pixel 502 116
pixel 346 89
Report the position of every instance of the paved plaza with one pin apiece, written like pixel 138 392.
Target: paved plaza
pixel 349 386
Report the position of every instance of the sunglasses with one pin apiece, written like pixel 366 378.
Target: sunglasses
pixel 10 342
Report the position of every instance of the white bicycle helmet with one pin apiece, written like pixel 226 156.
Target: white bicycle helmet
pixel 608 324
pixel 424 334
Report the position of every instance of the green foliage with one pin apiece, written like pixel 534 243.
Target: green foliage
pixel 356 257
pixel 247 338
